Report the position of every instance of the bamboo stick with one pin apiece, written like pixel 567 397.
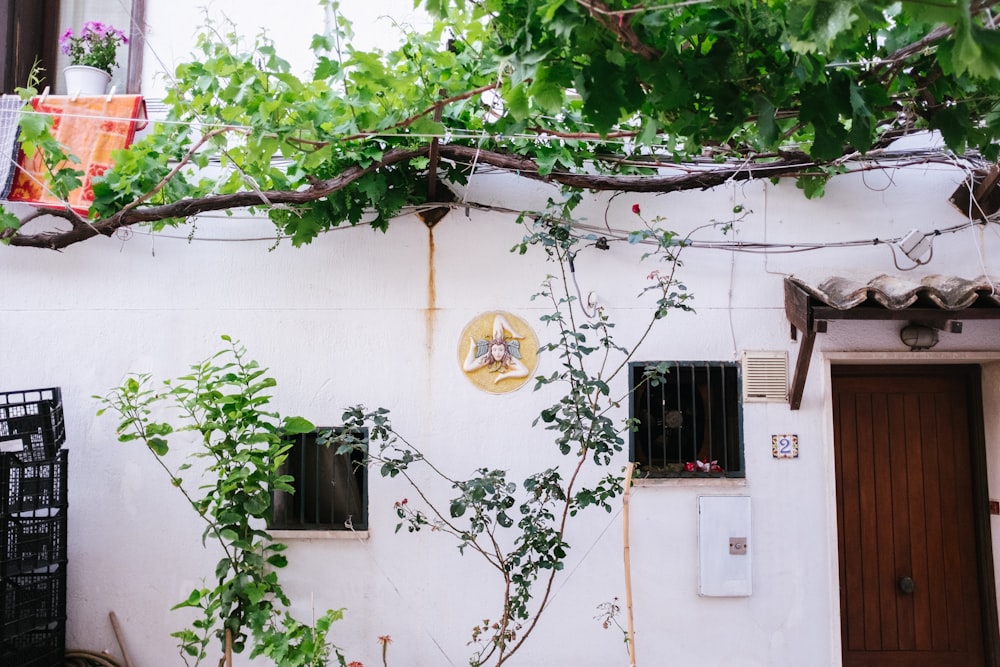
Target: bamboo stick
pixel 118 635
pixel 229 648
pixel 626 496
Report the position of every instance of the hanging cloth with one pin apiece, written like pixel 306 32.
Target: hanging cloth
pixel 91 128
pixel 10 113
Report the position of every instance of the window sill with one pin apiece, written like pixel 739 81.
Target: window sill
pixel 318 534
pixel 716 482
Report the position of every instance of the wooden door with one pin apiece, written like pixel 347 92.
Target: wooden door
pixel 911 573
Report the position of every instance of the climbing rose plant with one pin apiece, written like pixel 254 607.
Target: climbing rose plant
pixel 518 526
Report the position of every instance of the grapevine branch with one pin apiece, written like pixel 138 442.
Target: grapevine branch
pixel 57 239
pixel 506 158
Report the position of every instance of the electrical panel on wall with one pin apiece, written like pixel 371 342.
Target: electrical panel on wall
pixel 725 546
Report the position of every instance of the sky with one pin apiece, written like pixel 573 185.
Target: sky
pixel 173 26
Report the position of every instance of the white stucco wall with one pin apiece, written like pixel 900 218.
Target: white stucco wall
pixel 364 317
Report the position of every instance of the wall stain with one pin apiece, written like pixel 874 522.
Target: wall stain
pixel 431 310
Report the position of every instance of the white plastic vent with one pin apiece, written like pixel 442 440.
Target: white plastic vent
pixel 765 376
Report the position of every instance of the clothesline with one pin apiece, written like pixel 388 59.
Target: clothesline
pixel 91 128
pixel 446 136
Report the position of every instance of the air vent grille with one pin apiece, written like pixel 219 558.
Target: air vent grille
pixel 765 376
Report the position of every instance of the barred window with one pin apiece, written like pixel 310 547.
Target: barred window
pixel 689 421
pixel 331 490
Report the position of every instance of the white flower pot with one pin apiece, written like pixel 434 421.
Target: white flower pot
pixel 86 80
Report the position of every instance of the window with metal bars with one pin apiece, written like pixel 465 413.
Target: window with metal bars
pixel 331 490
pixel 688 420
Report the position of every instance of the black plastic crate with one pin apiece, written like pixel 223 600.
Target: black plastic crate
pixel 31 423
pixel 44 647
pixel 32 542
pixel 28 485
pixel 31 602
pixel 46 395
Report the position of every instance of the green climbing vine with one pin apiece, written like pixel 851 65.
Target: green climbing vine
pixel 241 447
pixel 518 526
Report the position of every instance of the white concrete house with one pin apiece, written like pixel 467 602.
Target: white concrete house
pixel 854 514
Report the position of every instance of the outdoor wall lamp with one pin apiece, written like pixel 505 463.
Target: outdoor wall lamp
pixel 919 336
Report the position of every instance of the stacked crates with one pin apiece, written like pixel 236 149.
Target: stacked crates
pixel 33 505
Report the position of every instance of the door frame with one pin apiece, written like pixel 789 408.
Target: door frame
pixel 980 480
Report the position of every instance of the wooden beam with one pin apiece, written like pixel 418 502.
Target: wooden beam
pixel 432 216
pixel 978 197
pixel 7 55
pixel 797 306
pixel 929 315
pixel 801 369
pixel 49 49
pixel 136 47
pixel 798 310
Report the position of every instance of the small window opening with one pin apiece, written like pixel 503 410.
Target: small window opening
pixel 331 490
pixel 688 419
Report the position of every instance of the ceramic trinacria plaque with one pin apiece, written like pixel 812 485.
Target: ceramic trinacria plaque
pixel 498 352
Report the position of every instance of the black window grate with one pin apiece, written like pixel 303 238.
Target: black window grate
pixel 688 419
pixel 330 489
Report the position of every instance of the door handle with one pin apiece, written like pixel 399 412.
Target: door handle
pixel 905 585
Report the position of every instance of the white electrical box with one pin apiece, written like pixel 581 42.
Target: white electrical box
pixel 725 546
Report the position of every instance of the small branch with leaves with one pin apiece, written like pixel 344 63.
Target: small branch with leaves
pixel 519 527
pixel 243 446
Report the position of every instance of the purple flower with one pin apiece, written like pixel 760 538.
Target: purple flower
pixel 64 41
pixel 96 45
pixel 95 27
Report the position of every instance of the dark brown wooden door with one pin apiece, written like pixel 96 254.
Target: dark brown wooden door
pixel 909 566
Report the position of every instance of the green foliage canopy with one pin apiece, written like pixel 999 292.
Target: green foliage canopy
pixel 582 93
pixel 741 77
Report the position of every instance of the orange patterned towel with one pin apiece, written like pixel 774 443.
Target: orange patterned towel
pixel 90 127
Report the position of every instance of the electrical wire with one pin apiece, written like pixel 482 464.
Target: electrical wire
pixel 569 575
pixel 579 296
pixel 653 159
pixel 585 231
pixel 415 612
pixel 600 9
pixel 765 247
pixel 732 280
pixel 890 158
pixel 970 182
pixel 85 658
pixel 916 262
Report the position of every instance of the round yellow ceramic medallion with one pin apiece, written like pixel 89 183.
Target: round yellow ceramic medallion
pixel 498 352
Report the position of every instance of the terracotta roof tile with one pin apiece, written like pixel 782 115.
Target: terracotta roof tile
pixel 895 293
